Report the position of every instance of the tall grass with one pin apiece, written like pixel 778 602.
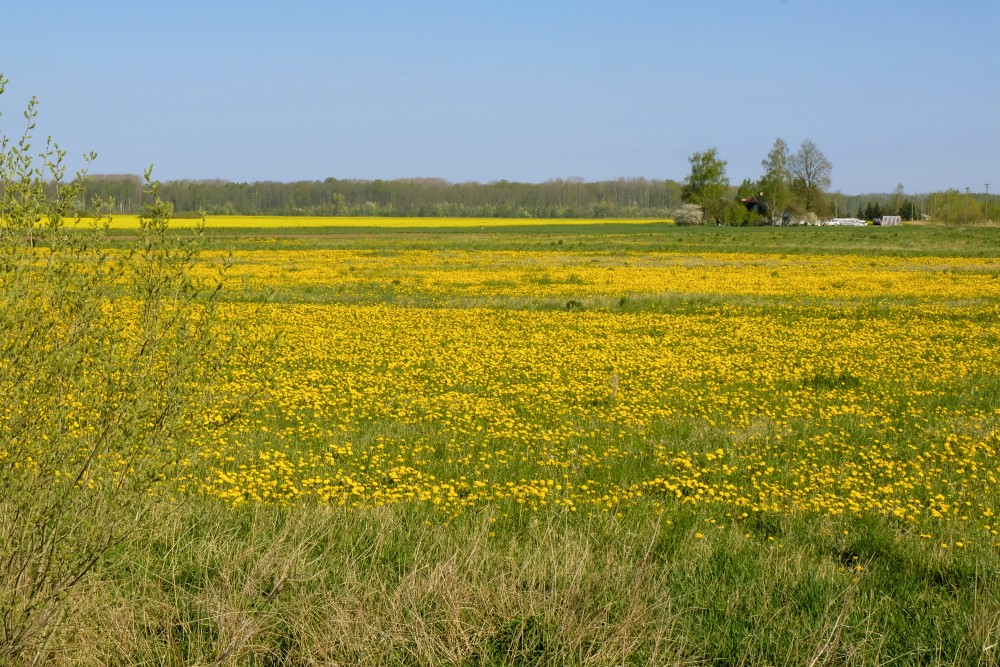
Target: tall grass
pixel 309 585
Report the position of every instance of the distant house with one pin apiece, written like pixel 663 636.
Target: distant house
pixel 755 205
pixel 888 220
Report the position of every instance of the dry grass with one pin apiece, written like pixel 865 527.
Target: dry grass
pixel 314 586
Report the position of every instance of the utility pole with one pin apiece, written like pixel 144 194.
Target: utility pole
pixel 987 202
pixel 966 206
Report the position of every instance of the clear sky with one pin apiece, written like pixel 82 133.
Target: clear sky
pixel 890 90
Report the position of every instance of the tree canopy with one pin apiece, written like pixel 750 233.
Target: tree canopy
pixel 776 183
pixel 810 172
pixel 707 184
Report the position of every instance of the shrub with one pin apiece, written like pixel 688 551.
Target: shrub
pixel 689 214
pixel 104 357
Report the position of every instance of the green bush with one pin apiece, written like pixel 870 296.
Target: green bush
pixel 107 362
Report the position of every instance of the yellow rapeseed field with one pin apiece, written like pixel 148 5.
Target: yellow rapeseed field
pixel 303 221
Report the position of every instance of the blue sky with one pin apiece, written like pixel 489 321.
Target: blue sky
pixel 890 90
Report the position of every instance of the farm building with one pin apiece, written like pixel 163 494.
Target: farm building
pixel 755 205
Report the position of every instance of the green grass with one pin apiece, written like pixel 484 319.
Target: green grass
pixel 898 241
pixel 903 241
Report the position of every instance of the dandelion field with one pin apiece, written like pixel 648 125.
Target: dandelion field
pixel 583 380
pixel 576 446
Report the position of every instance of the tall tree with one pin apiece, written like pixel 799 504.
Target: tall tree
pixel 776 183
pixel 810 172
pixel 707 183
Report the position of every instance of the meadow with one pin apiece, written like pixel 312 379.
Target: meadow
pixel 613 443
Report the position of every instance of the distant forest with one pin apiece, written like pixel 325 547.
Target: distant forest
pixel 430 197
pixel 434 197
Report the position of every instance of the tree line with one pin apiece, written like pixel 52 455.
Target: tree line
pixel 430 197
pixel 793 186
